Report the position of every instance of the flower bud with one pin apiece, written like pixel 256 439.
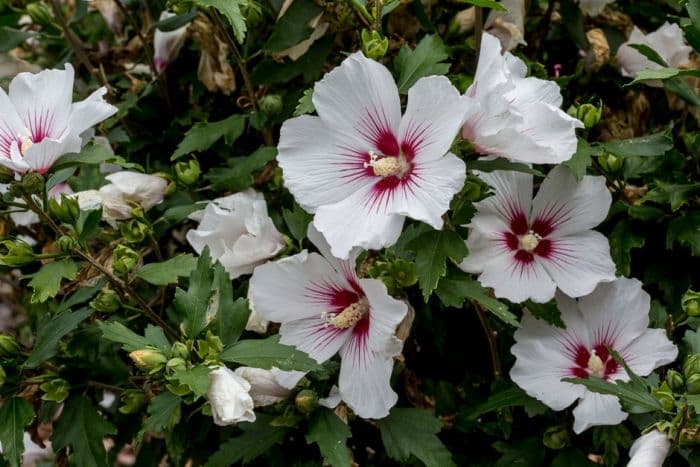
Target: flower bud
pixel 555 437
pixel 107 301
pixel 665 396
pixel 374 46
pixel 210 347
pixel 132 401
pixel 66 243
pixel 15 190
pixel 15 253
pixel 39 13
pixel 32 183
pixel 55 390
pixel 674 380
pixel 692 384
pixel 589 114
pixel 690 302
pixel 473 190
pixel 8 346
pixel 66 209
pixel 188 172
pixel 691 366
pixel 3 376
pixel 124 259
pixel 180 350
pixel 149 359
pixel 271 104
pixel 404 272
pixel 134 231
pixel 306 401
pixel 176 364
pixel 610 162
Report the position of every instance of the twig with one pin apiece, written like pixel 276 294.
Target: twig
pixel 491 338
pixel 378 14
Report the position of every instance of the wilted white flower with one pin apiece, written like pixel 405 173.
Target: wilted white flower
pixel 238 232
pixel 269 386
pixel 324 309
pixel 229 397
pixel 649 450
pixel 167 45
pixel 615 315
pixel 526 248
pixel 593 7
pixel 256 322
pixel 509 115
pixel 508 26
pixel 667 41
pixel 38 122
pixel 361 166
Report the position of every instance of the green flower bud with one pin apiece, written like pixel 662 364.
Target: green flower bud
pixel 253 14
pixel 55 390
pixel 674 380
pixel 188 172
pixel 66 209
pixel 306 401
pixel 124 259
pixel 178 389
pixel 132 401
pixel 404 272
pixel 107 301
pixel 690 302
pixel 8 346
pixel 473 190
pixel 374 46
pixel 589 114
pixel 180 350
pixel 6 175
pixel 210 347
pixel 692 384
pixel 32 183
pixel 176 364
pixel 3 376
pixel 149 359
pixel 134 231
pixel 610 162
pixel 66 243
pixel 15 253
pixel 665 396
pixel 691 366
pixel 39 13
pixel 15 190
pixel 271 104
pixel 555 437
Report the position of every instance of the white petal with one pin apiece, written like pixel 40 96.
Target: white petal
pixel 570 207
pixel 483 247
pixel 167 45
pixel 41 156
pixel 531 91
pixel 144 189
pixel 597 409
pixel 11 125
pixel 577 263
pixel 511 199
pixel 264 387
pixel 333 399
pixel 649 450
pixel 359 96
pixel 516 281
pixel 345 267
pixel 649 351
pixel 669 43
pixel 315 337
pixel 89 112
pixel 386 313
pixel 434 113
pixel 229 398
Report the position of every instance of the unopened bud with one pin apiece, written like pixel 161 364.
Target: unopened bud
pixel 610 162
pixel 306 401
pixel 404 272
pixel 692 384
pixel 374 46
pixel 66 243
pixel 149 359
pixel 40 13
pixel 66 209
pixel 690 302
pixel 271 104
pixel 55 390
pixel 674 380
pixel 124 259
pixel 32 183
pixel 589 114
pixel 176 364
pixel 8 346
pixel 691 366
pixel 134 231
pixel 15 253
pixel 180 350
pixel 210 347
pixel 555 437
pixel 107 301
pixel 132 401
pixel 188 172
pixel 665 396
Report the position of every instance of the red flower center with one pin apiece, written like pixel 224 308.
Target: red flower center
pixel 597 362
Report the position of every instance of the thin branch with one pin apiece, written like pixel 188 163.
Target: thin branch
pixel 491 338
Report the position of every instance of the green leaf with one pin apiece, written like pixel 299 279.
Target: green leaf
pixel 175 22
pixel 164 413
pixel 195 378
pixel 691 339
pixel 494 5
pixel 609 439
pixel 649 53
pixel 582 159
pixel 511 397
pixel 240 175
pixel 298 221
pixel 50 333
pixel 654 74
pixel 489 165
pixel 117 332
pixel 424 60
pixel 88 224
pixel 83 429
pixel 458 286
pixel 255 441
pixel 330 434
pixel 46 282
pixel 572 18
pixel 203 135
pixel 675 195
pixel 91 154
pixel 231 316
pixel 231 9
pixel 11 38
pixel 305 104
pixel 310 65
pixel 623 239
pixel 644 146
pixel 432 250
pixel 686 231
pixel 413 432
pixel 196 305
pixel 683 89
pixel 548 312
pixel 528 452
pixel 168 272
pixel 292 27
pixel 15 413
pixel 266 353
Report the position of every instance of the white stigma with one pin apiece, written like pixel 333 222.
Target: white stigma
pixel 350 316
pixel 387 166
pixel 596 367
pixel 529 241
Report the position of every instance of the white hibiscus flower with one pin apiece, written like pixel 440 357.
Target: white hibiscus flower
pixel 167 44
pixel 324 309
pixel 525 248
pixel 38 122
pixel 229 397
pixel 509 115
pixel 361 167
pixel 649 450
pixel 615 315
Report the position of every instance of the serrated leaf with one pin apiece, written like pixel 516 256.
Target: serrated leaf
pixel 424 60
pixel 499 163
pixel 413 432
pixel 82 428
pixel 676 195
pixel 298 222
pixel 117 332
pixel 305 104
pixel 91 154
pixel 330 434
pixel 268 353
pixel 432 250
pixel 548 312
pixel 168 272
pixel 195 378
pixel 582 159
pixel 644 146
pixel 164 413
pixel 50 333
pixel 623 239
pixel 511 397
pixel 46 282
pixel 309 65
pixel 292 27
pixel 231 9
pixel 240 175
pixel 203 135
pixel 15 413
pixel 685 230
pixel 195 304
pixel 256 440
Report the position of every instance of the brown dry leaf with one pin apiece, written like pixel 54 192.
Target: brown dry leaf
pixel 599 52
pixel 214 69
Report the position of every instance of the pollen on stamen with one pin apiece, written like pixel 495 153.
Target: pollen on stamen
pixel 596 367
pixel 351 315
pixel 387 166
pixel 529 241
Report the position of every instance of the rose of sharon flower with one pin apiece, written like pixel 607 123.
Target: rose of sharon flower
pixel 615 315
pixel 238 232
pixel 269 386
pixel 509 115
pixel 167 44
pixel 508 26
pixel 525 248
pixel 38 122
pixel 324 309
pixel 593 7
pixel 649 450
pixel 229 398
pixel 667 41
pixel 361 167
